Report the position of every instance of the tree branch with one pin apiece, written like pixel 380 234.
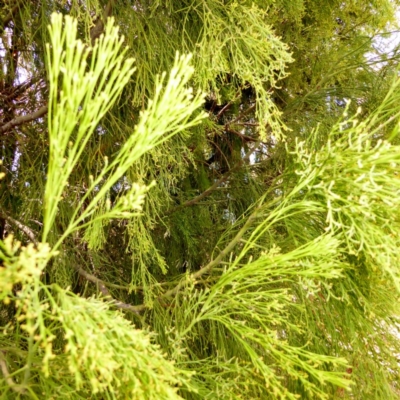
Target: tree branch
pixel 240 116
pixel 214 186
pixel 95 33
pixel 105 292
pixel 23 228
pixel 4 370
pixel 208 267
pixel 225 176
pixel 21 89
pixel 98 28
pixel 216 260
pixel 245 138
pixel 24 119
pixel 10 16
pixel 91 278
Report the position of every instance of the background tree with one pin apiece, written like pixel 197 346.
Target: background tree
pixel 234 240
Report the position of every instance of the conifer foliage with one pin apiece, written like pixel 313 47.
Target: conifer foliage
pixel 199 200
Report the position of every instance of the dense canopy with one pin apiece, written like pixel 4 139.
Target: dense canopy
pixel 199 199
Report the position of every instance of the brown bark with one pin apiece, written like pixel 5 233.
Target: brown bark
pixel 24 119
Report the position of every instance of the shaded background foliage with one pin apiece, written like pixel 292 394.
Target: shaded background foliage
pixel 273 72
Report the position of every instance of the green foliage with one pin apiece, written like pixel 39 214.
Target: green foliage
pixel 77 343
pixel 221 225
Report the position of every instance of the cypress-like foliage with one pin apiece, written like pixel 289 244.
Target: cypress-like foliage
pixel 199 200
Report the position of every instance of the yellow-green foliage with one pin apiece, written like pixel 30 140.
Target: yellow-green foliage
pixel 209 209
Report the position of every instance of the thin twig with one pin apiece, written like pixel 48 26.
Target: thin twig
pixel 193 277
pixel 223 109
pixel 240 116
pixel 216 260
pixel 95 33
pixel 245 138
pixel 105 292
pixel 100 283
pixel 247 123
pixel 21 89
pixel 7 377
pixel 27 231
pixel 10 15
pixel 225 176
pixel 226 106
pixel 215 185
